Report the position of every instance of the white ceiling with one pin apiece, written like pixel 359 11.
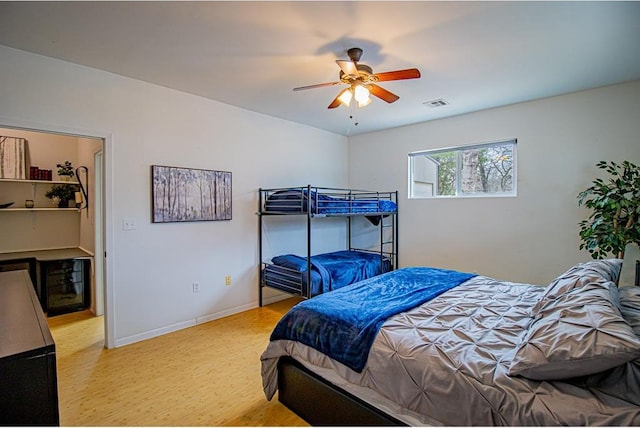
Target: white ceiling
pixel 475 55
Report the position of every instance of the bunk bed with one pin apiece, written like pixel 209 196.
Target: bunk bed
pixel 311 274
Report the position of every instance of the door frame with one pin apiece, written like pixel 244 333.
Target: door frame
pixel 107 204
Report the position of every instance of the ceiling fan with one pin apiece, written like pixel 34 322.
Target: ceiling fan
pixel 362 81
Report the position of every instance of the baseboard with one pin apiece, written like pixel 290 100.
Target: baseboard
pixel 225 313
pixel 199 320
pixel 154 333
pixel 273 299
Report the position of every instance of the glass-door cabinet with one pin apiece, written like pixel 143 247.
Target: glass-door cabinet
pixel 66 285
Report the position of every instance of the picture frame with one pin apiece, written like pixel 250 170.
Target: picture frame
pixel 190 194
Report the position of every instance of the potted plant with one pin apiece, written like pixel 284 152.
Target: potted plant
pixel 615 204
pixel 65 170
pixel 62 193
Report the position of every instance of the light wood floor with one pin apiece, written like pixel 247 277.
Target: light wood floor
pixel 207 375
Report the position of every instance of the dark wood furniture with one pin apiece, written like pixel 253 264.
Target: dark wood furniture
pixel 28 380
pixel 321 403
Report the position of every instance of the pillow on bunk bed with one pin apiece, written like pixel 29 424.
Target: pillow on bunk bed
pixel 294 200
pixel 580 333
pixel 291 261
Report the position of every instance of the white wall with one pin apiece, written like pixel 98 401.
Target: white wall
pixel 152 268
pixel 534 236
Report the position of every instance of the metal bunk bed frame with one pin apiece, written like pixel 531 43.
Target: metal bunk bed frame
pixel 305 206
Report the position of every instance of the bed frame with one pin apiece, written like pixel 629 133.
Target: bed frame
pixel 388 227
pixel 319 402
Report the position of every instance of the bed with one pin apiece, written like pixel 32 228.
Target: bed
pixel 468 350
pixel 308 275
pixel 329 271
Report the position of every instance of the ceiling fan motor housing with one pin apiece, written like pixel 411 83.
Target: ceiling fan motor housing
pixel 354 54
pixel 365 74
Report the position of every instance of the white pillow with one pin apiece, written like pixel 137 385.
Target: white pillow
pixel 577 334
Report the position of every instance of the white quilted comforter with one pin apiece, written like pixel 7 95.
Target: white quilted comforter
pixel 446 361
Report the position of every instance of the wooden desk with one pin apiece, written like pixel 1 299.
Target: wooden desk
pixel 46 255
pixel 28 379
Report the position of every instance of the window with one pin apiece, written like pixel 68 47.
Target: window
pixel 487 169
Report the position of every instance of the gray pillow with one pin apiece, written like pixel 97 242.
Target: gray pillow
pixel 580 333
pixel 592 271
pixel 609 269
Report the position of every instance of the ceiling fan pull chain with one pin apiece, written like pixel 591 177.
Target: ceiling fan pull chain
pixel 353 113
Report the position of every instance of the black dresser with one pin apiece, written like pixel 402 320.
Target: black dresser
pixel 28 379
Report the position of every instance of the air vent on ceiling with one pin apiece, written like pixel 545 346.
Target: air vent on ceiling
pixel 436 103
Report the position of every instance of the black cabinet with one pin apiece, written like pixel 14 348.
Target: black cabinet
pixel 66 285
pixel 28 380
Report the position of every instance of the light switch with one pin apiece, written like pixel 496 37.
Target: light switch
pixel 129 224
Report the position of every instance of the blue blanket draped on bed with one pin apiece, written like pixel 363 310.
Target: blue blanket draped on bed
pixel 344 323
pixel 336 269
pixel 295 200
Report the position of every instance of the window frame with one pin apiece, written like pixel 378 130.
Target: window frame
pixel 459 150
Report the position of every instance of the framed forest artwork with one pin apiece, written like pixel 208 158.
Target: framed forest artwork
pixel 189 194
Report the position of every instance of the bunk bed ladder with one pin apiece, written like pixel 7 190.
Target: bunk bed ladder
pixel 390 239
pixel 307 293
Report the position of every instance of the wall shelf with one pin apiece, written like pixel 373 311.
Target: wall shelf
pixel 34 184
pixel 13 180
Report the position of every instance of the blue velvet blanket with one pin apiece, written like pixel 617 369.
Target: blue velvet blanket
pixel 330 271
pixel 344 323
pixel 296 200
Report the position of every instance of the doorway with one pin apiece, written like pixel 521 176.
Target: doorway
pixel 91 236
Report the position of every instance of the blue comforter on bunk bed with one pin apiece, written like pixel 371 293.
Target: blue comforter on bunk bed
pixel 344 323
pixel 334 270
pixel 296 200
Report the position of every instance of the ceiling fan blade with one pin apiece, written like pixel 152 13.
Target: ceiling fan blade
pixel 335 103
pixel 382 93
pixel 410 73
pixel 319 85
pixel 348 67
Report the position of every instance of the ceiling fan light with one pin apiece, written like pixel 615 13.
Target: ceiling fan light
pixel 364 103
pixel 345 97
pixel 361 94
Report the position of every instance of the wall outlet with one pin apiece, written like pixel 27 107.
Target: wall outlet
pixel 227 280
pixel 196 287
pixel 129 224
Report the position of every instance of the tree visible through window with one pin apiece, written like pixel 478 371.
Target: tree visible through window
pixel 481 170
